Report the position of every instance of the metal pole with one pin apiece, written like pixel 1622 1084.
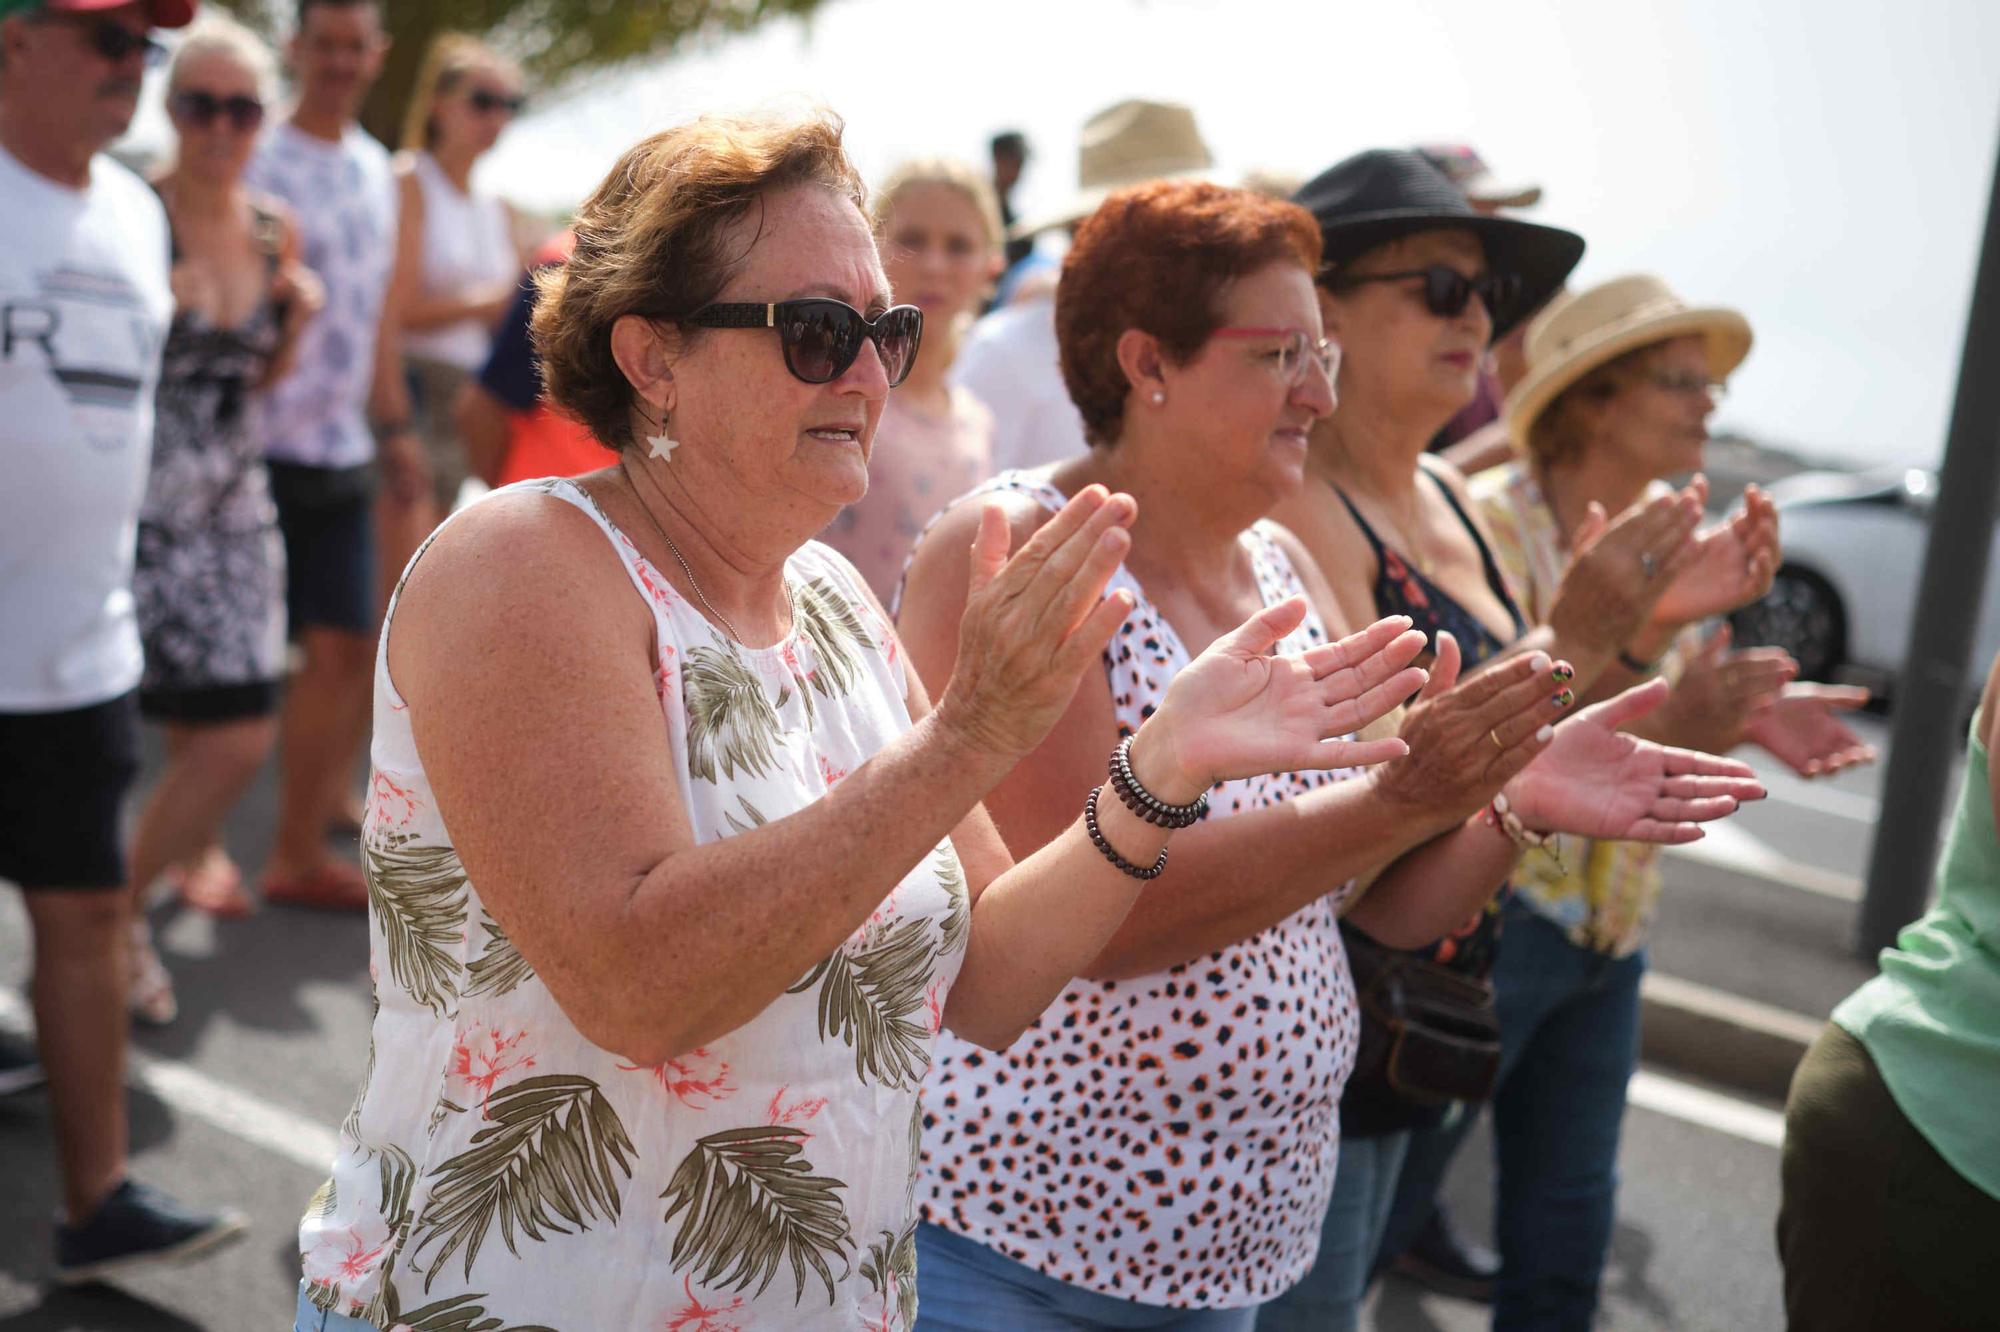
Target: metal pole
pixel 1934 682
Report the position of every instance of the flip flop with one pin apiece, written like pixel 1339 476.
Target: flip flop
pixel 214 885
pixel 333 886
pixel 150 992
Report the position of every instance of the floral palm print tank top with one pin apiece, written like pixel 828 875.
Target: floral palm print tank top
pixel 499 1170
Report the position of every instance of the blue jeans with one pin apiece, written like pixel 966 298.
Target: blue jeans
pixel 963 1286
pixel 309 1319
pixel 1329 1299
pixel 1569 1041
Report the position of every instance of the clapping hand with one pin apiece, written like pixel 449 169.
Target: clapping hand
pixel 1598 781
pixel 1716 696
pixel 1799 728
pixel 1620 567
pixel 1237 710
pixel 1731 565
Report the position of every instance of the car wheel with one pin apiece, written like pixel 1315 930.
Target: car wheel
pixel 1801 614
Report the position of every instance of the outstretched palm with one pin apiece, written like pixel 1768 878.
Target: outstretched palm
pixel 1236 711
pixel 1597 781
pixel 1731 565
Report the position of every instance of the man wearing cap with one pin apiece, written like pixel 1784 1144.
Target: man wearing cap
pixel 84 309
pixel 1009 362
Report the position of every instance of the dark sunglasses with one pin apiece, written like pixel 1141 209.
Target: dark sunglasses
pixel 202 109
pixel 821 337
pixel 113 41
pixel 1446 290
pixel 486 101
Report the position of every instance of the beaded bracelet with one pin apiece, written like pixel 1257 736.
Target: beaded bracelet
pixel 1143 802
pixel 1499 814
pixel 1110 851
pixel 1636 666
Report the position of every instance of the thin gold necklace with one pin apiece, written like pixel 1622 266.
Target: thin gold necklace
pixel 625 466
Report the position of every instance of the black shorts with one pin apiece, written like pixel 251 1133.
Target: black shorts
pixel 63 779
pixel 213 703
pixel 328 517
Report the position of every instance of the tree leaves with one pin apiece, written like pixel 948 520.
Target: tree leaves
pixel 418 893
pixel 554 1149
pixel 731 726
pixel 499 968
pixel 752 1201
pixel 869 998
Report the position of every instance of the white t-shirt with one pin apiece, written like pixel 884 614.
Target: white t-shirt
pixel 344 198
pixel 84 309
pixel 1012 365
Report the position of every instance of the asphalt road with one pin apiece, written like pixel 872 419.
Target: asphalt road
pixel 238 1100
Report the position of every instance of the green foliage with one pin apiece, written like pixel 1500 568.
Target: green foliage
pixel 554 39
pixel 418 893
pixel 500 968
pixel 870 999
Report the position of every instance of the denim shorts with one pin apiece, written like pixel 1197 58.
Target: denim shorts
pixel 963 1286
pixel 310 1319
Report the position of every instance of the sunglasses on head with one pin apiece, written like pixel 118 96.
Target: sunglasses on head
pixel 113 41
pixel 821 337
pixel 1446 290
pixel 203 109
pixel 486 101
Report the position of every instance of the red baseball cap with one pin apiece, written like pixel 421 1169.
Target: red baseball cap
pixel 159 13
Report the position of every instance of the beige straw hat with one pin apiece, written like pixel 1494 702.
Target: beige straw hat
pixel 1127 144
pixel 1583 330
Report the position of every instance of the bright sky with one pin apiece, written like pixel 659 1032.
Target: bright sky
pixel 1823 165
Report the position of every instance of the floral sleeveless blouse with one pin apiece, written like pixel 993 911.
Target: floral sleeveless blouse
pixel 499 1170
pixel 1169 1139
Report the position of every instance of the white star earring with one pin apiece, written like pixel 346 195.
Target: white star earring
pixel 660 444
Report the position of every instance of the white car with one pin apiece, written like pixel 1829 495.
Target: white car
pixel 1847 585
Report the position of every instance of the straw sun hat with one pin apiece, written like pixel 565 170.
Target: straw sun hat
pixel 1127 144
pixel 1583 331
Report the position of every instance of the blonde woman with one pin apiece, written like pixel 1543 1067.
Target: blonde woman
pixel 938 227
pixel 459 262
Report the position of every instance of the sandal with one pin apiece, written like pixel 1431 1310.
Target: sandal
pixel 150 992
pixel 213 884
pixel 333 886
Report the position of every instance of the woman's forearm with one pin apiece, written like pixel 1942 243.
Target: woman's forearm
pixel 427 312
pixel 708 937
pixel 1430 891
pixel 1231 878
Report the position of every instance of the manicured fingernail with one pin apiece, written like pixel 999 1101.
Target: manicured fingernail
pixel 1546 734
pixel 1564 673
pixel 1539 661
pixel 1564 698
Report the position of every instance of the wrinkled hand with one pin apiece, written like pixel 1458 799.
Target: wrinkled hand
pixel 1237 711
pixel 1711 705
pixel 1800 730
pixel 302 294
pixel 1606 596
pixel 1598 781
pixel 1468 739
pixel 1033 622
pixel 1732 565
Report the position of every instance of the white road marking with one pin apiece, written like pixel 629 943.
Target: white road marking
pixel 1786 789
pixel 241 1114
pixel 1728 847
pixel 1709 1109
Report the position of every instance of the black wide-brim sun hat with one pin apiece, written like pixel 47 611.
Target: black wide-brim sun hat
pixel 1385 194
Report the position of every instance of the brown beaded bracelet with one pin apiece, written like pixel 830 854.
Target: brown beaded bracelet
pixel 1143 802
pixel 1110 851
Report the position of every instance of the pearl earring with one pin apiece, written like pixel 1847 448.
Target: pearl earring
pixel 1158 398
pixel 661 444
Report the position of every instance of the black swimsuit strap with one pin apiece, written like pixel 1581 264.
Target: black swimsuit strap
pixel 1494 578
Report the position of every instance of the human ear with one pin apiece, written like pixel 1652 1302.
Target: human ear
pixel 1140 358
pixel 644 353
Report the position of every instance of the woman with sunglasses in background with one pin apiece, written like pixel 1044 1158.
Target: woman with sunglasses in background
pixel 460 257
pixel 209 580
pixel 1157 1150
pixel 938 227
pixel 1416 286
pixel 674 872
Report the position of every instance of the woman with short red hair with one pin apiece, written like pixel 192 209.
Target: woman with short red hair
pixel 1158 1148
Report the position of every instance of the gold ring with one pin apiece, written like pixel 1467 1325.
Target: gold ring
pixel 1498 743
